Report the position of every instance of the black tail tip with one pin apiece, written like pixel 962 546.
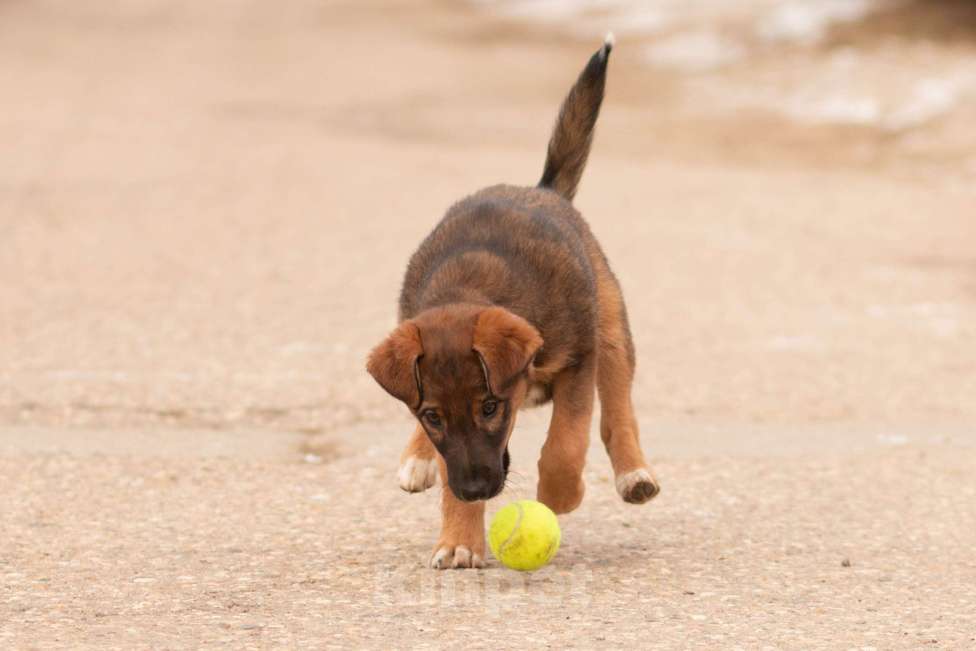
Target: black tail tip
pixel 608 43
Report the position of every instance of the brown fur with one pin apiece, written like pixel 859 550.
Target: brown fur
pixel 511 292
pixel 569 146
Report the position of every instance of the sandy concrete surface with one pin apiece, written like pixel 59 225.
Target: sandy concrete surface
pixel 206 209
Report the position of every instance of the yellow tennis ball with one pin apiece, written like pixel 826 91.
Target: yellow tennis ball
pixel 524 535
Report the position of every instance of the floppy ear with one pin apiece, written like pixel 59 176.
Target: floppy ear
pixel 393 364
pixel 506 342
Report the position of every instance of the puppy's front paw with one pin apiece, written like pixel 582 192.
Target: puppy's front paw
pixel 637 486
pixel 417 474
pixel 450 556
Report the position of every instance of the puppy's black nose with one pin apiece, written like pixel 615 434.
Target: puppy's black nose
pixel 477 488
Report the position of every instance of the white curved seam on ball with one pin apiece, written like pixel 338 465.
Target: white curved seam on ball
pixel 518 522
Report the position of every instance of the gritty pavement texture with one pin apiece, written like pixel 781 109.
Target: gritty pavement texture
pixel 206 212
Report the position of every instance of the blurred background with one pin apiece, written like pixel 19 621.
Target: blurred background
pixel 207 207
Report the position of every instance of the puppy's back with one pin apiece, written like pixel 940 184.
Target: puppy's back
pixel 526 249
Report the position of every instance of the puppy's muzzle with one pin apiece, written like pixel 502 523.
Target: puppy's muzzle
pixel 479 484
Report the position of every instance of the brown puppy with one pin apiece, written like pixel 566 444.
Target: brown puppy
pixel 508 303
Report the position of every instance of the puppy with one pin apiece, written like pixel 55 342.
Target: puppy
pixel 508 303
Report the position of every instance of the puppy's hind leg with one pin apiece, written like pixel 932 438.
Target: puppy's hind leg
pixel 615 375
pixel 418 463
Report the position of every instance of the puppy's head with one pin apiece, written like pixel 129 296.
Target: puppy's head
pixel 464 371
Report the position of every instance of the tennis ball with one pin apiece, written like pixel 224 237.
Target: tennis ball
pixel 524 535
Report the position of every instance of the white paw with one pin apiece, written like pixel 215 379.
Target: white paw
pixel 637 486
pixel 416 474
pixel 448 557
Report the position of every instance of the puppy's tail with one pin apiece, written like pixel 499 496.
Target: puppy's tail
pixel 573 133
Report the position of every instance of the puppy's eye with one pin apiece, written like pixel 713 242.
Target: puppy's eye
pixel 431 417
pixel 488 407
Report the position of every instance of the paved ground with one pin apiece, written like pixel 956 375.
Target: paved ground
pixel 206 210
